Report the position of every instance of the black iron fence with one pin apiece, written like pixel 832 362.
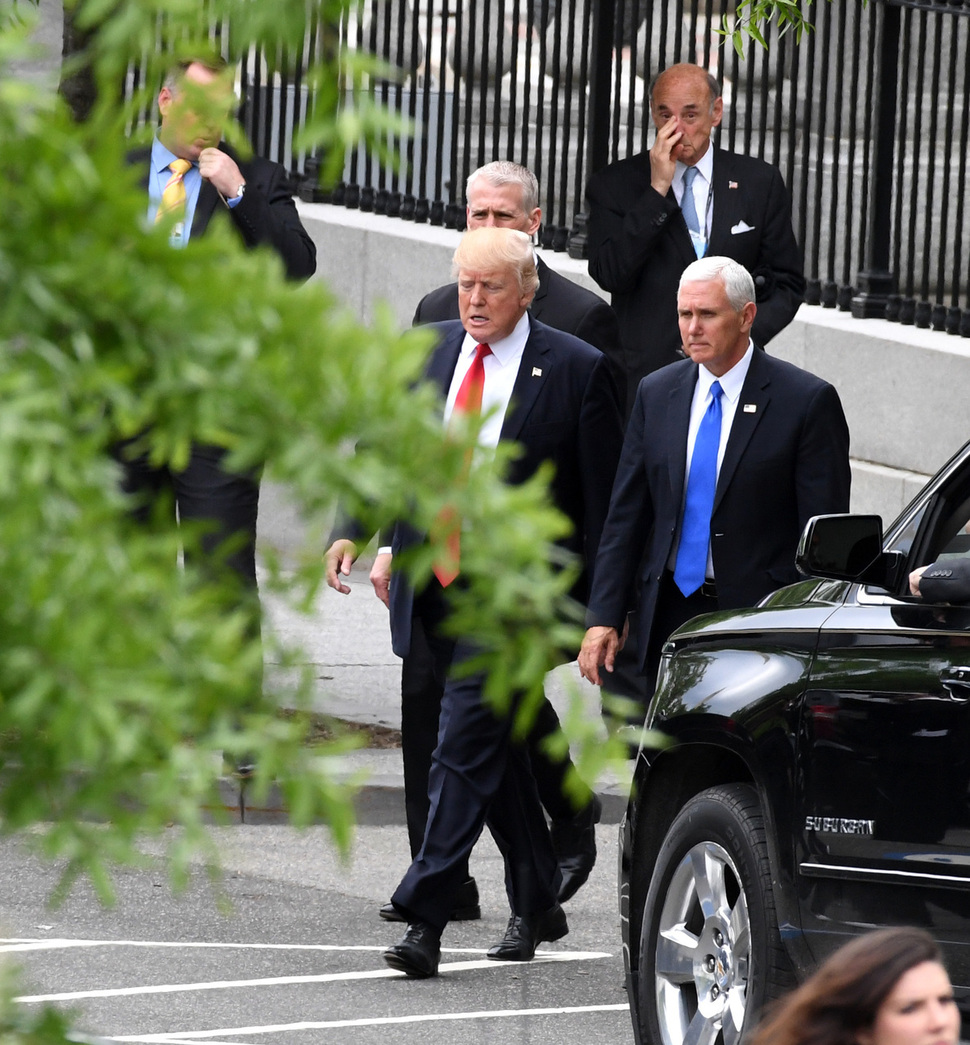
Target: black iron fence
pixel 867 117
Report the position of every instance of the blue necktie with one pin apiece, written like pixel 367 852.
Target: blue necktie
pixel 695 532
pixel 687 201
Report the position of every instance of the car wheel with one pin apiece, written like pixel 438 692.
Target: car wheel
pixel 710 951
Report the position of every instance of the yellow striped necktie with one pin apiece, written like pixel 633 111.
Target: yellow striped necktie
pixel 172 204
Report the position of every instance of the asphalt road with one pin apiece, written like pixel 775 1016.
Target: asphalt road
pixel 297 958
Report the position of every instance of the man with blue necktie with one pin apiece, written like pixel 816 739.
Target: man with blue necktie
pixel 653 213
pixel 727 455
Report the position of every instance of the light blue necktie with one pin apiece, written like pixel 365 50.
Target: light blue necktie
pixel 687 201
pixel 695 532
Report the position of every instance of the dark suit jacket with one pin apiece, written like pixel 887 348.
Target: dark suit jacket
pixel 566 414
pixel 946 581
pixel 558 303
pixel 266 215
pixel 786 460
pixel 639 245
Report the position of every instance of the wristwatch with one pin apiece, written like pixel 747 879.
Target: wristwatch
pixel 239 192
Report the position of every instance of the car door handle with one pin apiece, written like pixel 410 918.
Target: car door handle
pixel 956 681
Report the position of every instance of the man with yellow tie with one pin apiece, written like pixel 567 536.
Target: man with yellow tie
pixel 554 396
pixel 194 180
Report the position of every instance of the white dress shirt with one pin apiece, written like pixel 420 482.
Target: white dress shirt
pixel 703 189
pixel 501 370
pixel 158 178
pixel 731 384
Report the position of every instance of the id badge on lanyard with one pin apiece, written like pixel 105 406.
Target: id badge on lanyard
pixel 699 239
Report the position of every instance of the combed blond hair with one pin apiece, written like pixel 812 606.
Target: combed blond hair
pixel 489 249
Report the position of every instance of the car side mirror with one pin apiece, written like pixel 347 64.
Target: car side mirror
pixel 848 548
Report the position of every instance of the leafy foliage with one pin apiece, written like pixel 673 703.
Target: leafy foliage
pixel 122 678
pixel 751 16
pixel 22 1025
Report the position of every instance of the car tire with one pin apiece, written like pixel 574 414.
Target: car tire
pixel 710 950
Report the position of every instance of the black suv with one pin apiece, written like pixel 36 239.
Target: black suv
pixel 817 780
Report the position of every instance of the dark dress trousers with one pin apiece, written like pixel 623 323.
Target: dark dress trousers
pixel 227 502
pixel 563 410
pixel 638 246
pixel 786 459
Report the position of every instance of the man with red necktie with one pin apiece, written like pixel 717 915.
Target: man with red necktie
pixel 553 395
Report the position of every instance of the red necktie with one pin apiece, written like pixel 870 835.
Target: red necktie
pixel 446 531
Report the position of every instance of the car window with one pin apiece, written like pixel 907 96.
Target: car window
pixel 904 540
pixel 938 529
pixel 951 536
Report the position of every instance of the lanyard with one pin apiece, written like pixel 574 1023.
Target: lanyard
pixel 700 239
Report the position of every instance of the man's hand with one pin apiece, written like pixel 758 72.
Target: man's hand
pixel 914 580
pixel 222 171
pixel 380 577
pixel 339 559
pixel 600 647
pixel 662 162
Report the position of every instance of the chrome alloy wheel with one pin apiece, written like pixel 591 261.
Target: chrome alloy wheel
pixel 703 951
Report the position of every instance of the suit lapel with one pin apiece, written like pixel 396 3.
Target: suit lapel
pixel 204 208
pixel 727 200
pixel 209 198
pixel 534 369
pixel 752 404
pixel 681 236
pixel 675 429
pixel 142 159
pixel 444 359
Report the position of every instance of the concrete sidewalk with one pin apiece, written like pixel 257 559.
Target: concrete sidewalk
pixel 345 640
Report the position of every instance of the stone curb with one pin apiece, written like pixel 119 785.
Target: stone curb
pixel 378 803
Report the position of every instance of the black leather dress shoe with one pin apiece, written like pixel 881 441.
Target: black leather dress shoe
pixel 525 933
pixel 466 908
pixel 574 842
pixel 418 953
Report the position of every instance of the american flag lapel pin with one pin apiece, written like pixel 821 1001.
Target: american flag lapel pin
pixel 536 372
pixel 732 184
pixel 750 408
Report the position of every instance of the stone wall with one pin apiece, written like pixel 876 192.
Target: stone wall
pixel 904 390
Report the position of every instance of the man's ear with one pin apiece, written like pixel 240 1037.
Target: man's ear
pixel 718 111
pixel 164 100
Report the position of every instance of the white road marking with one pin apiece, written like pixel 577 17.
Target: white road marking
pixel 193 1037
pixel 9 946
pixel 52 944
pixel 376 974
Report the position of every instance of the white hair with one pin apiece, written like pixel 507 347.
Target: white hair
pixel 738 284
